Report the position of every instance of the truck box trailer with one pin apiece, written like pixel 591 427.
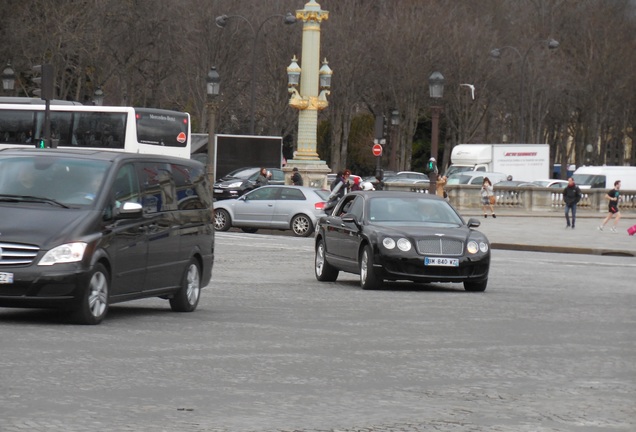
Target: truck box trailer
pixel 524 162
pixel 239 151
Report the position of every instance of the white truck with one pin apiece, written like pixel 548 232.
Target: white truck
pixel 524 162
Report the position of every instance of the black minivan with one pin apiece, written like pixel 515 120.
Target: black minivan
pixel 83 229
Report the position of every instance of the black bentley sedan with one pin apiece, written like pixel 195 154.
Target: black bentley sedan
pixel 391 236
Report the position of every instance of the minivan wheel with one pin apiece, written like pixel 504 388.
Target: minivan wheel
pixel 187 298
pixel 222 220
pixel 94 303
pixel 302 226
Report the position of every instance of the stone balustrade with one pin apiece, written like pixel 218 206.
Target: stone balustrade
pixel 465 197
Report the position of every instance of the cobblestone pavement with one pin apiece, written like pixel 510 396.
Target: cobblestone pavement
pixel 548 348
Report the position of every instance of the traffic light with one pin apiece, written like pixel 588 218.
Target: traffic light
pixel 40 143
pixel 44 81
pixel 430 166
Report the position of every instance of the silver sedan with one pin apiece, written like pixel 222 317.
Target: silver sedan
pixel 295 208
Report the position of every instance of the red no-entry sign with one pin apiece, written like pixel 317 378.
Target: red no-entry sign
pixel 377 150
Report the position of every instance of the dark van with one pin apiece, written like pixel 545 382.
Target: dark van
pixel 83 229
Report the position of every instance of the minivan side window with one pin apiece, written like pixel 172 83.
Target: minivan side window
pixel 192 190
pixel 167 187
pixel 126 186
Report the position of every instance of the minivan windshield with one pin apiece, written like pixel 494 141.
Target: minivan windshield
pixel 71 182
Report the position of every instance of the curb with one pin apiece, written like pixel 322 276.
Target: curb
pixel 562 249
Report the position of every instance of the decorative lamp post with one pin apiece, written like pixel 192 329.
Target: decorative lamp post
pixel 8 78
pixel 496 54
pixel 436 91
pixel 213 87
pixel 395 122
pixel 310 94
pixel 98 97
pixel 221 22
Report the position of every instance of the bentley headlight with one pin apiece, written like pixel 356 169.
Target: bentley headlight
pixel 472 247
pixel 66 253
pixel 388 243
pixel 483 246
pixel 404 245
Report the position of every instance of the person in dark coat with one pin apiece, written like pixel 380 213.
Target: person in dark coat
pixel 296 178
pixel 571 197
pixel 339 187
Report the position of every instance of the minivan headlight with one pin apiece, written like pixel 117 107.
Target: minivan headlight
pixel 66 253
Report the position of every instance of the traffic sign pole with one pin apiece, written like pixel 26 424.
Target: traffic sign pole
pixel 377 152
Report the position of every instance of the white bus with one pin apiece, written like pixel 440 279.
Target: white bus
pixel 132 130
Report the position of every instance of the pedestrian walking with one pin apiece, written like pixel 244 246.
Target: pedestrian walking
pixel 296 178
pixel 571 197
pixel 613 197
pixel 487 197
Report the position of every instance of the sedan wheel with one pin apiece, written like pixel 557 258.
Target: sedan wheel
pixel 325 272
pixel 94 304
pixel 222 220
pixel 368 278
pixel 478 286
pixel 302 226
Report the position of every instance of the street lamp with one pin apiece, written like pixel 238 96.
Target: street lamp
pixel 588 160
pixel 221 22
pixel 395 122
pixel 8 78
pixel 496 54
pixel 98 97
pixel 213 87
pixel 436 91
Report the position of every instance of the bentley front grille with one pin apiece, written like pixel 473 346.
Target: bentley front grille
pixel 440 246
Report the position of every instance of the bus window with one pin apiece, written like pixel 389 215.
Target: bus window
pixel 98 129
pixel 16 127
pixel 162 128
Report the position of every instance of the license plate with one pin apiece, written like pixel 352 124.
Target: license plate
pixel 6 278
pixel 218 190
pixel 443 262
